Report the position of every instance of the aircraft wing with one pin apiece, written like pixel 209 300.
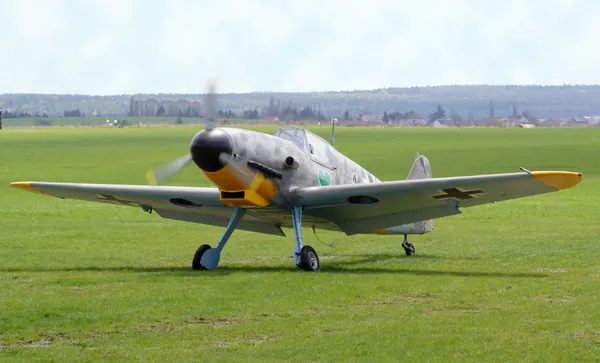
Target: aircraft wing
pixel 366 208
pixel 190 204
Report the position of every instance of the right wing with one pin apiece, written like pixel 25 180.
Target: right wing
pixel 366 208
pixel 190 204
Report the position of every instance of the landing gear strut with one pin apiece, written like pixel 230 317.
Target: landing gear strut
pixel 409 248
pixel 207 258
pixel 305 257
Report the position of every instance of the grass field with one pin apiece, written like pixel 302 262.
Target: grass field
pixel 514 281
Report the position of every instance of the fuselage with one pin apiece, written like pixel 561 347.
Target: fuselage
pixel 292 158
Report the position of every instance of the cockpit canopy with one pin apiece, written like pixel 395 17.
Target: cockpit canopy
pixel 318 149
pixel 296 135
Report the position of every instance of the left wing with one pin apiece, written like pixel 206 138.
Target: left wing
pixel 366 208
pixel 191 204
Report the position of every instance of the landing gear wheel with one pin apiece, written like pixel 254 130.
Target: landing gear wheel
pixel 309 260
pixel 409 248
pixel 198 256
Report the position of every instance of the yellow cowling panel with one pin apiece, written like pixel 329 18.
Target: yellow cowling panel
pixel 225 179
pixel 236 192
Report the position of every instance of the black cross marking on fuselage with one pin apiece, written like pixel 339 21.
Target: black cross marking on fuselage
pixel 113 199
pixel 458 194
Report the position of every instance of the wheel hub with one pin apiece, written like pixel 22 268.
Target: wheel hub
pixel 313 260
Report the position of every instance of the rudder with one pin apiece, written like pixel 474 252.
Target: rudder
pixel 421 169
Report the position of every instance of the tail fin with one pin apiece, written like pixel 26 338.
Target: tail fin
pixel 421 169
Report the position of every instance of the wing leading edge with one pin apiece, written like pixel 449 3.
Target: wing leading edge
pixel 190 204
pixel 365 208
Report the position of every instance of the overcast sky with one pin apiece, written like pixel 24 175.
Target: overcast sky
pixel 174 46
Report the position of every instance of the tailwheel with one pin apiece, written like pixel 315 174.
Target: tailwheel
pixel 196 265
pixel 409 248
pixel 309 260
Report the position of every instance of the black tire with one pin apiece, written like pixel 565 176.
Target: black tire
pixel 409 249
pixel 198 256
pixel 309 260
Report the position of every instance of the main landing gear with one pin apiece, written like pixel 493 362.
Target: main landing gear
pixel 207 258
pixel 409 248
pixel 305 257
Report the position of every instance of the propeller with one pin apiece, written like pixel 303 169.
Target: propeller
pixel 166 171
pixel 210 105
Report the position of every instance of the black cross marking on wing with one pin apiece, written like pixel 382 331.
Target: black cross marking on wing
pixel 458 194
pixel 113 199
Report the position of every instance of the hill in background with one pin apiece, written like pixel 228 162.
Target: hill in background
pixel 471 102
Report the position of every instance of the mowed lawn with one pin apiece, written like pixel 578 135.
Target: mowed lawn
pixel 516 281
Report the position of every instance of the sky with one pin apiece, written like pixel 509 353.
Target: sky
pixel 174 46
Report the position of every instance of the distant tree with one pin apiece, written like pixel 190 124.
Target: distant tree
pixel 289 113
pixel 306 113
pixel 273 109
pixel 439 113
pixel 131 107
pixel 251 114
pixel 161 111
pixel 456 118
pixel 0 120
pixel 385 118
pixel 514 110
pixel 492 111
pixel 45 115
pixel 225 114
pixel 530 118
pixel 179 120
pixel 346 115
pixel 73 113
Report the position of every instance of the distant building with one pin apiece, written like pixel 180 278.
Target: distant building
pixel 437 125
pixel 576 122
pixel 514 121
pixel 445 121
pixel 409 119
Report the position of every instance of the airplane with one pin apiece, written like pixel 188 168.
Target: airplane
pixel 294 178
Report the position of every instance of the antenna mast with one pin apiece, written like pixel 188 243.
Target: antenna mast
pixel 333 121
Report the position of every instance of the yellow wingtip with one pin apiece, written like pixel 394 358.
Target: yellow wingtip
pixel 26 186
pixel 558 179
pixel 22 185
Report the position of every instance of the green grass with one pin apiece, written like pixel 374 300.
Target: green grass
pixel 514 281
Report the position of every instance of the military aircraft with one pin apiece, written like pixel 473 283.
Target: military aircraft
pixel 295 178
